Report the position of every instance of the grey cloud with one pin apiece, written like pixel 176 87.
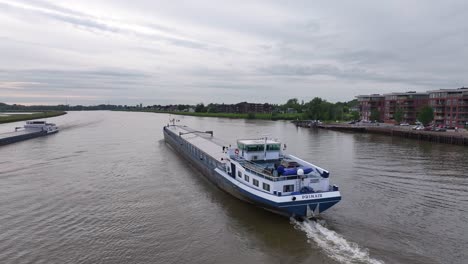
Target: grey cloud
pixel 51 6
pixel 300 70
pixel 91 23
pixel 369 57
pixel 355 74
pixel 52 80
pixel 207 51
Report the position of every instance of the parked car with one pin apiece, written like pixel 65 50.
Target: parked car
pixel 440 129
pixel 418 127
pixel 429 128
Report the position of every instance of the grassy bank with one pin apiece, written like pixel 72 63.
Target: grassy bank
pixel 263 116
pixel 22 117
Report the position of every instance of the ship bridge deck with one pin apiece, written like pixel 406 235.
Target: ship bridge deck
pixel 202 140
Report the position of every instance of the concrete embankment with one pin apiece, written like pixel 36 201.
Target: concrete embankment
pixel 448 137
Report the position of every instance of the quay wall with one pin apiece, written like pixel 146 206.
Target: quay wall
pixel 455 138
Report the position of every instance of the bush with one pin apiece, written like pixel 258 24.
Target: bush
pixel 251 115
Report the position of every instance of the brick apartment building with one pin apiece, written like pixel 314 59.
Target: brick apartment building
pixel 370 103
pixel 244 108
pixel 450 106
pixel 409 103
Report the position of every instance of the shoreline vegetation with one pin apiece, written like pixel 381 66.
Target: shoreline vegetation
pixel 260 116
pixel 23 117
pixel 292 109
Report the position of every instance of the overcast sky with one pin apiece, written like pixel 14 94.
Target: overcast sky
pixel 162 52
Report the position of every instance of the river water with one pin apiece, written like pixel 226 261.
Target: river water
pixel 107 189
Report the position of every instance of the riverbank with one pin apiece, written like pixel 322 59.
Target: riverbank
pixel 262 116
pixel 27 116
pixel 448 137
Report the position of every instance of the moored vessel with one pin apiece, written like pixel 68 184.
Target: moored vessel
pixel 258 171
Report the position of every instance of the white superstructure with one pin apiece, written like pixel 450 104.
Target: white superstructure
pixel 41 126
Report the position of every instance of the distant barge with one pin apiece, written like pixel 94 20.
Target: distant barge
pixel 32 129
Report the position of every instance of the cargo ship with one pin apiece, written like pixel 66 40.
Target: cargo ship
pixel 257 171
pixel 31 129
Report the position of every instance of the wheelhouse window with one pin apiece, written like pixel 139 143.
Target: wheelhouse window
pixel 266 187
pixel 255 147
pixel 288 188
pixel 246 177
pixel 251 147
pixel 273 147
pixel 255 182
pixel 239 174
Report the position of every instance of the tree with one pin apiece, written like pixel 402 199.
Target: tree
pixel 398 116
pixel 212 108
pixel 293 103
pixel 375 115
pixel 313 108
pixel 426 115
pixel 180 107
pixel 355 115
pixel 200 108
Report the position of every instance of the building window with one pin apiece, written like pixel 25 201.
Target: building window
pixel 288 188
pixel 266 187
pixel 246 177
pixel 255 182
pixel 239 174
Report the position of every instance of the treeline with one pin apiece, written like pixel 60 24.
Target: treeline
pixel 320 109
pixel 316 109
pixel 22 108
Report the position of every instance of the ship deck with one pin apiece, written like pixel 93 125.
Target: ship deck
pixel 17 133
pixel 203 141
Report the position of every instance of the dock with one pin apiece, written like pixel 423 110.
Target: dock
pixel 306 123
pixel 447 137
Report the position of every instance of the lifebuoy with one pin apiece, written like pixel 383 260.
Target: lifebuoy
pixel 236 151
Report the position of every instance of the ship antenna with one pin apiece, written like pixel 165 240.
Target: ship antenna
pixel 265 147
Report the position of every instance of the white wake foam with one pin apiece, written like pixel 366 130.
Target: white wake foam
pixel 333 244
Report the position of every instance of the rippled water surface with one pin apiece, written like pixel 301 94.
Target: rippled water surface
pixel 107 189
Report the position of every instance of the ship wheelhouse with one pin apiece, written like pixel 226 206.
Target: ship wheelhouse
pixel 41 126
pixel 259 149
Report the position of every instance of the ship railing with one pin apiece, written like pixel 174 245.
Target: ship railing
pixel 263 171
